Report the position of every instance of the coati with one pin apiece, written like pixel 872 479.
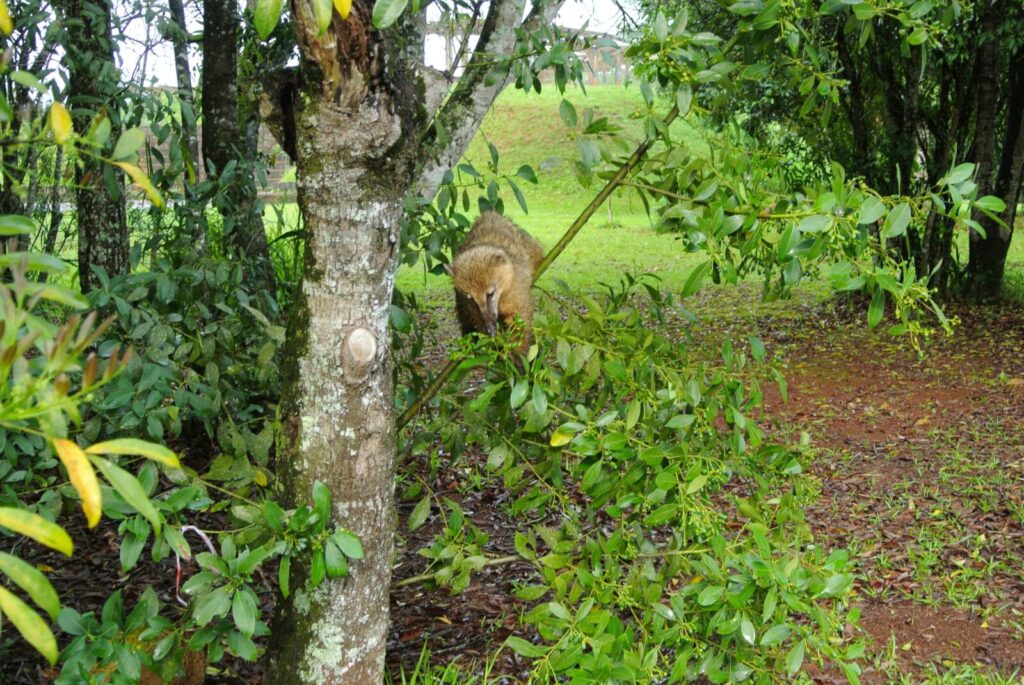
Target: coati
pixel 492 271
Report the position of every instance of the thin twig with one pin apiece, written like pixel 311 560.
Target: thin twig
pixel 423 577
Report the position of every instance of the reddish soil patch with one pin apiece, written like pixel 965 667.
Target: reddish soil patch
pixel 920 470
pixel 923 634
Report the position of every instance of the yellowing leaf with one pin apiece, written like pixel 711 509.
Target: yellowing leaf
pixel 83 477
pixel 32 581
pixel 6 25
pixel 560 437
pixel 134 446
pixel 36 527
pixel 343 7
pixel 32 628
pixel 60 122
pixel 142 181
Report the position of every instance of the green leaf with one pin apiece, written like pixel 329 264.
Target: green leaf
pixel 697 483
pixel 32 581
pixel 266 15
pixel 991 203
pixel 212 605
pixel 540 399
pixel 323 11
pixel 684 99
pixel 877 308
pixel 349 543
pixel 795 658
pixel 747 630
pixel 130 489
pixel 36 527
pixel 775 635
pixel 419 513
pixel 814 224
pixel 710 595
pixel 127 148
pixel 871 210
pixel 133 446
pixel 283 575
pixel 29 624
pixel 15 224
pixel 58 294
pixel 518 395
pixel 337 564
pixel 897 221
pixel 959 173
pixel 692 284
pixel 244 610
pixel 34 262
pixel 322 502
pixel 568 113
pixel 524 648
pixel 386 12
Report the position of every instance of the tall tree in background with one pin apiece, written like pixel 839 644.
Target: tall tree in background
pixel 364 129
pixel 92 88
pixel 224 140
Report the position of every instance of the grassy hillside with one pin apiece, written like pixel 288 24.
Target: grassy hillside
pixel 526 129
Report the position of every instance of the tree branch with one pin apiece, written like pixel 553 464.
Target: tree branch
pixel 462 112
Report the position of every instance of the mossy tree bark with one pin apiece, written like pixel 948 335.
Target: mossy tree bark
pixel 358 123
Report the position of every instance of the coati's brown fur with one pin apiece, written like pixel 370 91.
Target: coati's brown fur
pixel 492 271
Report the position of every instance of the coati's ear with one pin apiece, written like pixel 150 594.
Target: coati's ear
pixel 499 258
pixel 448 268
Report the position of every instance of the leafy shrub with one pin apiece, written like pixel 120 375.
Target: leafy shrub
pixel 672 542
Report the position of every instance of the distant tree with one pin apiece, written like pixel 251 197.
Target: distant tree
pixel 93 89
pixel 226 138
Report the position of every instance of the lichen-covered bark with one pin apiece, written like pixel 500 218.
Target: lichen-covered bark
pixel 358 117
pixel 92 83
pixel 354 152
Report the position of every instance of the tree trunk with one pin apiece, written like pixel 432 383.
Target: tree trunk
pixel 224 142
pixel 354 167
pixel 179 39
pixel 192 212
pixel 999 158
pixel 220 82
pixel 99 191
pixel 360 125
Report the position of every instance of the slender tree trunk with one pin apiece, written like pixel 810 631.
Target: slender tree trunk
pixel 220 82
pixel 99 191
pixel 192 212
pixel 999 158
pixel 179 39
pixel 225 141
pixel 359 126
